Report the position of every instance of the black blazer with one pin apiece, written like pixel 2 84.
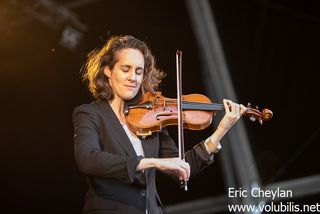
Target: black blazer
pixel 104 153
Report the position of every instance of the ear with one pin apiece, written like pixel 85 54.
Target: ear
pixel 107 72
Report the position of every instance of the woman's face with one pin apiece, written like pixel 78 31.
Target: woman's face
pixel 126 76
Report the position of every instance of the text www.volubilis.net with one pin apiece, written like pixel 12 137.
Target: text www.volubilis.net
pixel 282 207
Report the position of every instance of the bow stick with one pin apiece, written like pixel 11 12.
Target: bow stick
pixel 180 113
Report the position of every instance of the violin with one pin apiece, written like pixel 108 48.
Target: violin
pixel 155 111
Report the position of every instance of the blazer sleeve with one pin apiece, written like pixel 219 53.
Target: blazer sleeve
pixel 197 157
pixel 90 158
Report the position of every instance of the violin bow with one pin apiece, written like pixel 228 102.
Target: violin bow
pixel 180 113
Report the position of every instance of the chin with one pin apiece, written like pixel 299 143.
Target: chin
pixel 129 96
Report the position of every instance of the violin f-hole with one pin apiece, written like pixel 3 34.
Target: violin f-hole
pixel 164 114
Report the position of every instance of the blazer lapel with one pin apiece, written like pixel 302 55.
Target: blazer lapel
pixel 115 127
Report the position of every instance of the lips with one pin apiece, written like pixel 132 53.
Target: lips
pixel 131 86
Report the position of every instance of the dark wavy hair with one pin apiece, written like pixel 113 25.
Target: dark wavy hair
pixel 106 56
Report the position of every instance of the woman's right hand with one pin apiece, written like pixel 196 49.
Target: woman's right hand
pixel 174 166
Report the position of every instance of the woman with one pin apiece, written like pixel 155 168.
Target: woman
pixel 120 167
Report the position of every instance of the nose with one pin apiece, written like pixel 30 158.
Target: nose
pixel 132 75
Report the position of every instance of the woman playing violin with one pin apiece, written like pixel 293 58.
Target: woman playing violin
pixel 119 166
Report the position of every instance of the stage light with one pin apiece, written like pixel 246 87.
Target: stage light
pixel 70 38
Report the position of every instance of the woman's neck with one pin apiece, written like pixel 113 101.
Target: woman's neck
pixel 118 106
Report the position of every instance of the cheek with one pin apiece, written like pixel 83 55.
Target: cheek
pixel 119 78
pixel 140 79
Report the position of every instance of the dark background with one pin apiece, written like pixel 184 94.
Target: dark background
pixel 272 52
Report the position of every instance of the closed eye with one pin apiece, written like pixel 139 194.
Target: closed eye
pixel 125 68
pixel 139 71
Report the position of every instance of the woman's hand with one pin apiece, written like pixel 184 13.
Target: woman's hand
pixel 233 113
pixel 174 166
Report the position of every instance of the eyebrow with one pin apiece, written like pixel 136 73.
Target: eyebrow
pixel 129 66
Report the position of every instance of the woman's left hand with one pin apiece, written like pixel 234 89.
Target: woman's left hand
pixel 233 113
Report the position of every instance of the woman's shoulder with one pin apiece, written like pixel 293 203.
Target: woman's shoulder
pixel 92 107
pixel 91 111
pixel 86 106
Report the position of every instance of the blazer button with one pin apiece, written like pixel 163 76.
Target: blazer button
pixel 142 193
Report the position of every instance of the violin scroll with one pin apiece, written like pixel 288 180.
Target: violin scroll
pixel 255 114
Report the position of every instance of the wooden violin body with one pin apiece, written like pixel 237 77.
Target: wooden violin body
pixel 156 111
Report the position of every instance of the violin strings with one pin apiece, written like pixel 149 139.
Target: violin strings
pixel 190 105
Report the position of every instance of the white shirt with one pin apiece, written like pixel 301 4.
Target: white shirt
pixel 135 141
